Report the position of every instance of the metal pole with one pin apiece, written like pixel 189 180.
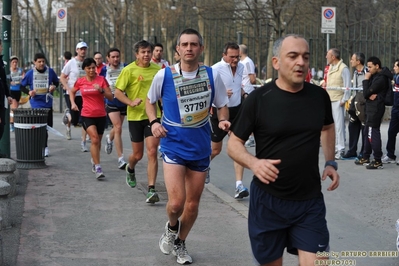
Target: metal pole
pixel 6 25
pixel 61 65
pixel 328 41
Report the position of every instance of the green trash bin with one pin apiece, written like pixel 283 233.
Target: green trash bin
pixel 30 137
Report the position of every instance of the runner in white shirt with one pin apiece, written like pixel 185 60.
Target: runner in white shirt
pixel 69 74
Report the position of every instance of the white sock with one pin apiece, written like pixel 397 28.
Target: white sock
pixel 120 158
pixel 238 183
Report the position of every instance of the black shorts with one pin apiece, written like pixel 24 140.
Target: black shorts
pixel 139 130
pixel 98 122
pixel 217 133
pixel 16 95
pixel 275 224
pixel 111 109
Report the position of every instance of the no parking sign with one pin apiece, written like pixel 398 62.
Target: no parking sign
pixel 328 19
pixel 61 25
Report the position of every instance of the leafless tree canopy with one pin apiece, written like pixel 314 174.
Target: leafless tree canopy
pixel 361 25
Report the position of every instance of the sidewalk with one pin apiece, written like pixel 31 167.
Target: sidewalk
pixel 67 217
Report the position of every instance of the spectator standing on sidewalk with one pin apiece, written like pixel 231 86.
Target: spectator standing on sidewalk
pixel 131 88
pixel 375 86
pixel 393 128
pixel 93 89
pixel 338 77
pixel 42 82
pixel 16 75
pixel 185 133
pixel 356 109
pixel 230 70
pixel 116 109
pixel 287 208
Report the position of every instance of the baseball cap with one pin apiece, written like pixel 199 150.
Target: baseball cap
pixel 81 45
pixel 13 57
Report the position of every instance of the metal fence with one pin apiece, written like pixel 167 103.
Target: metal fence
pixel 367 38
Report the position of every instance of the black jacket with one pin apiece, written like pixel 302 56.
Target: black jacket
pixel 378 84
pixel 4 89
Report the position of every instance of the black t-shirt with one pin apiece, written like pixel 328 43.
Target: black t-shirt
pixel 287 126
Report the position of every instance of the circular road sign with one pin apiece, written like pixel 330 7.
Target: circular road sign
pixel 328 13
pixel 61 13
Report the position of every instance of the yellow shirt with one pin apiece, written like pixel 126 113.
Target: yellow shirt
pixel 135 81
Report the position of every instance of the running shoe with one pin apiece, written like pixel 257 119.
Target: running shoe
pixel 375 165
pixel 339 154
pixel 349 156
pixel 152 196
pixel 108 145
pixel 167 240
pixel 362 161
pixel 99 173
pixel 208 176
pixel 241 192
pixel 130 177
pixel 93 166
pixel 121 164
pixel 46 152
pixel 66 118
pixel 180 251
pixel 83 147
pixel 68 133
pixel 250 142
pixel 387 159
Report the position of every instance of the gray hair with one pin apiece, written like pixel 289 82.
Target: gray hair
pixel 278 43
pixel 190 31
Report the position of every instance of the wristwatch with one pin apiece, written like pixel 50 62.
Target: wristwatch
pixel 102 91
pixel 332 163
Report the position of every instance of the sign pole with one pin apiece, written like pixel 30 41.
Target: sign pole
pixel 5 147
pixel 328 16
pixel 61 27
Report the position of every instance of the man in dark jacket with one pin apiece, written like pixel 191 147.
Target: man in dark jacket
pixel 4 92
pixel 375 86
pixel 393 128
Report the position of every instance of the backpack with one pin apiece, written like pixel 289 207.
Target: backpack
pixel 388 101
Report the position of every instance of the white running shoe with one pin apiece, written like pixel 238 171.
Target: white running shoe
pixel 46 152
pixel 387 159
pixel 83 147
pixel 180 251
pixel 122 164
pixel 109 145
pixel 167 240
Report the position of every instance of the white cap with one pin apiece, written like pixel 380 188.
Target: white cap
pixel 81 45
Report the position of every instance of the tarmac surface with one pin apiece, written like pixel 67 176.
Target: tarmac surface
pixel 63 216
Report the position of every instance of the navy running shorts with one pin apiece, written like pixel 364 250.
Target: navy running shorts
pixel 275 224
pixel 201 165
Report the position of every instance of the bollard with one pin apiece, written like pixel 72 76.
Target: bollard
pixel 5 189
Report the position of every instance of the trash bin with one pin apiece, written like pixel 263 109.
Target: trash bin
pixel 30 137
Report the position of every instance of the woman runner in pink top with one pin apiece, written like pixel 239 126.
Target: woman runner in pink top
pixel 93 88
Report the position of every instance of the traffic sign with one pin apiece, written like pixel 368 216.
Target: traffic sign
pixel 328 16
pixel 61 25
